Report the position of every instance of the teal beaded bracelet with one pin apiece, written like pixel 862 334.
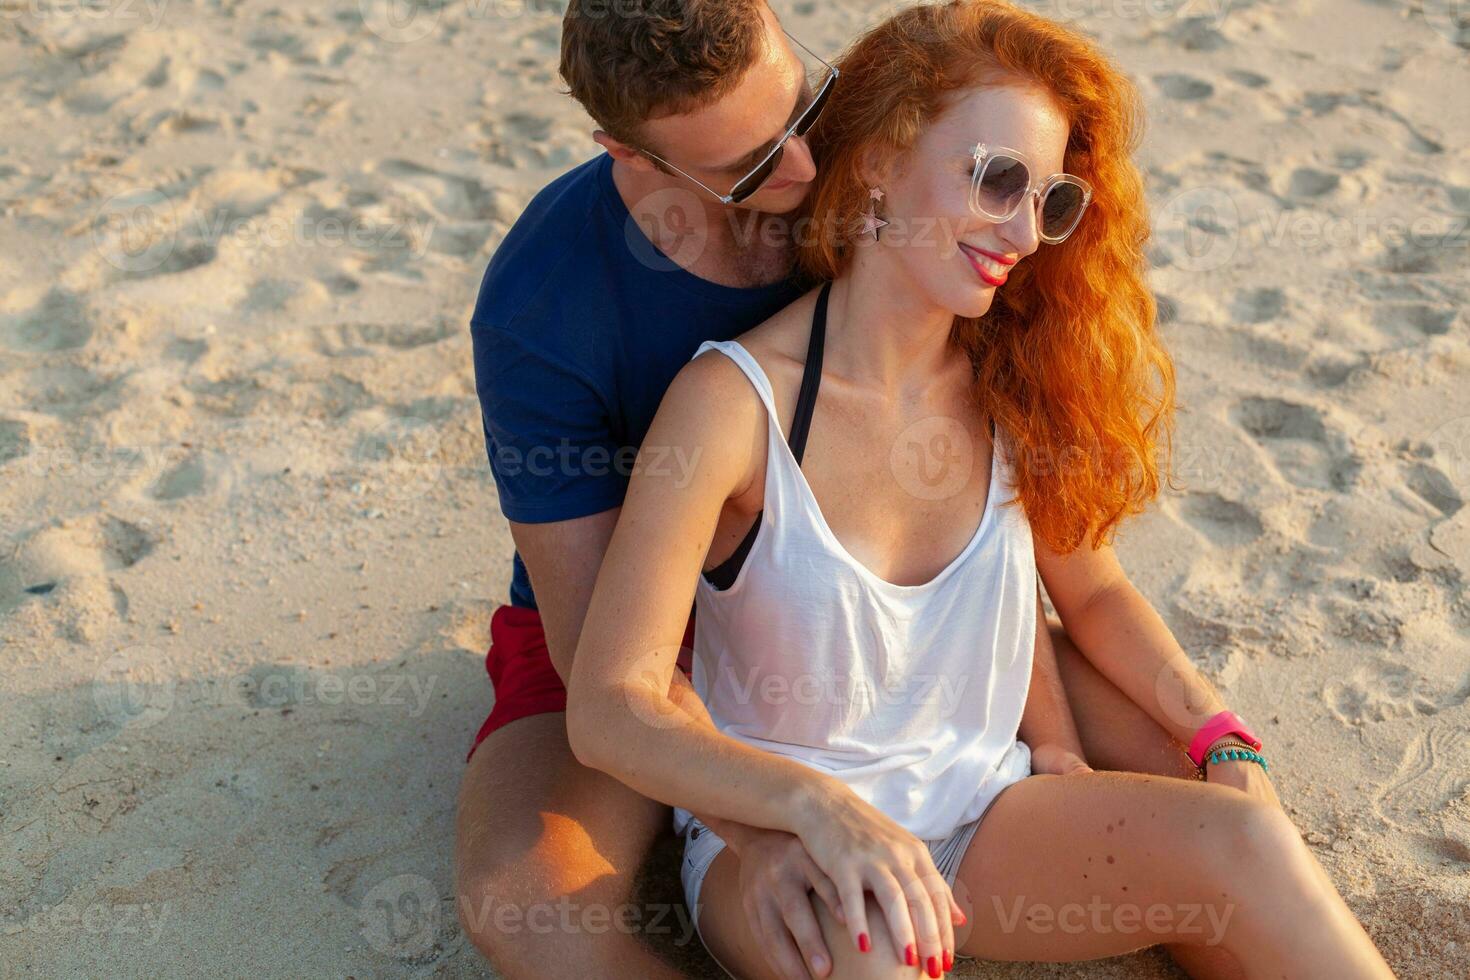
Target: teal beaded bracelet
pixel 1231 755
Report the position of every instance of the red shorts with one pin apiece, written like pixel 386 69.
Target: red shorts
pixel 520 668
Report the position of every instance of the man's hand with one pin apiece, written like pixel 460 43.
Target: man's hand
pixel 777 877
pixel 1057 761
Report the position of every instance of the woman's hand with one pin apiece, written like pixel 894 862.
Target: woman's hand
pixel 1055 760
pixel 1246 776
pixel 862 850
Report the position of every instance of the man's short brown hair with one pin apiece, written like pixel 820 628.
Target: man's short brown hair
pixel 631 60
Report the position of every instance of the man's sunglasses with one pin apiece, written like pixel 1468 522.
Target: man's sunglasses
pixel 751 182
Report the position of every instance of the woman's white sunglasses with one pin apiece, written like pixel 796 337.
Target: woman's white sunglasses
pixel 1001 181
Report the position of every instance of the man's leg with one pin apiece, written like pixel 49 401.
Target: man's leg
pixel 540 839
pixel 1119 735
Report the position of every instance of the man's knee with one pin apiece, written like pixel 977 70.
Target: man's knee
pixel 528 911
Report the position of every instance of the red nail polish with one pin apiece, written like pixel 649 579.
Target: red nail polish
pixel 948 961
pixel 963 918
pixel 934 966
pixel 909 956
pixel 863 944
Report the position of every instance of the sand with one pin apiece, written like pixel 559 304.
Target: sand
pixel 251 546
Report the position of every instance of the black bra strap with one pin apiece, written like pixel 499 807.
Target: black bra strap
pixel 723 575
pixel 811 378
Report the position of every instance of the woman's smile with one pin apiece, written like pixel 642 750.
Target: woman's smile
pixel 991 267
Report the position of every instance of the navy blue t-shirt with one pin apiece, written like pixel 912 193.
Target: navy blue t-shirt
pixel 580 326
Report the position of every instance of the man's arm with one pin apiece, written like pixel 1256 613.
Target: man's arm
pixel 1047 725
pixel 562 558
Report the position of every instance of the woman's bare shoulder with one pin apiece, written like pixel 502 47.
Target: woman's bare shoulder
pixel 783 334
pixel 779 345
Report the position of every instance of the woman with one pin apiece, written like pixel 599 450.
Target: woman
pixel 991 398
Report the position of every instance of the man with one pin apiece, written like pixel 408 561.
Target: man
pixel 603 289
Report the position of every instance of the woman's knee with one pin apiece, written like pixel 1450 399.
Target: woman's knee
pixel 1254 842
pixel 882 961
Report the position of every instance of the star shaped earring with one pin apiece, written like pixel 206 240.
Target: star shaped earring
pixel 871 222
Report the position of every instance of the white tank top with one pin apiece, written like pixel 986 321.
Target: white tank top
pixel 910 694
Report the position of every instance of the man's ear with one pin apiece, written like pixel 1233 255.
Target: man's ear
pixel 622 152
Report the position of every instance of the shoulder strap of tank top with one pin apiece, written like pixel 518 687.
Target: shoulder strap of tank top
pixel 811 378
pixel 722 576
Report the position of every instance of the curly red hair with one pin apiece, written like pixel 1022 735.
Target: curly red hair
pixel 1067 361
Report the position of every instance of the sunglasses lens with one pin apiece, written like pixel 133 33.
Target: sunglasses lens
pixel 1061 209
pixel 1000 185
pixel 809 117
pixel 753 181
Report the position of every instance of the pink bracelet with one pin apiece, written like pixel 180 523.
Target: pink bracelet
pixel 1224 723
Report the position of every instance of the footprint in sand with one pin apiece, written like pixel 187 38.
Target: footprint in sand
pixel 1430 253
pixel 1305 450
pixel 1333 369
pixel 1249 79
pixel 1434 487
pixel 1222 522
pixel 1378 693
pixel 15 440
pixel 1350 160
pixel 59 321
pixel 360 339
pixel 1196 34
pixel 1414 319
pixel 1184 88
pixel 455 197
pixel 185 479
pixel 80 547
pixel 1429 777
pixel 1258 305
pixel 1309 183
pixel 1167 309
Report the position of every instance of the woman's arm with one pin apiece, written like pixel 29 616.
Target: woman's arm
pixel 1124 637
pixel 621 719
pixel 1117 629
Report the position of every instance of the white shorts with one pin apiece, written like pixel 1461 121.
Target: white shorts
pixel 702 846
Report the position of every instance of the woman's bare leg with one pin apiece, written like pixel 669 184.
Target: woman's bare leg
pixel 1119 735
pixel 1096 864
